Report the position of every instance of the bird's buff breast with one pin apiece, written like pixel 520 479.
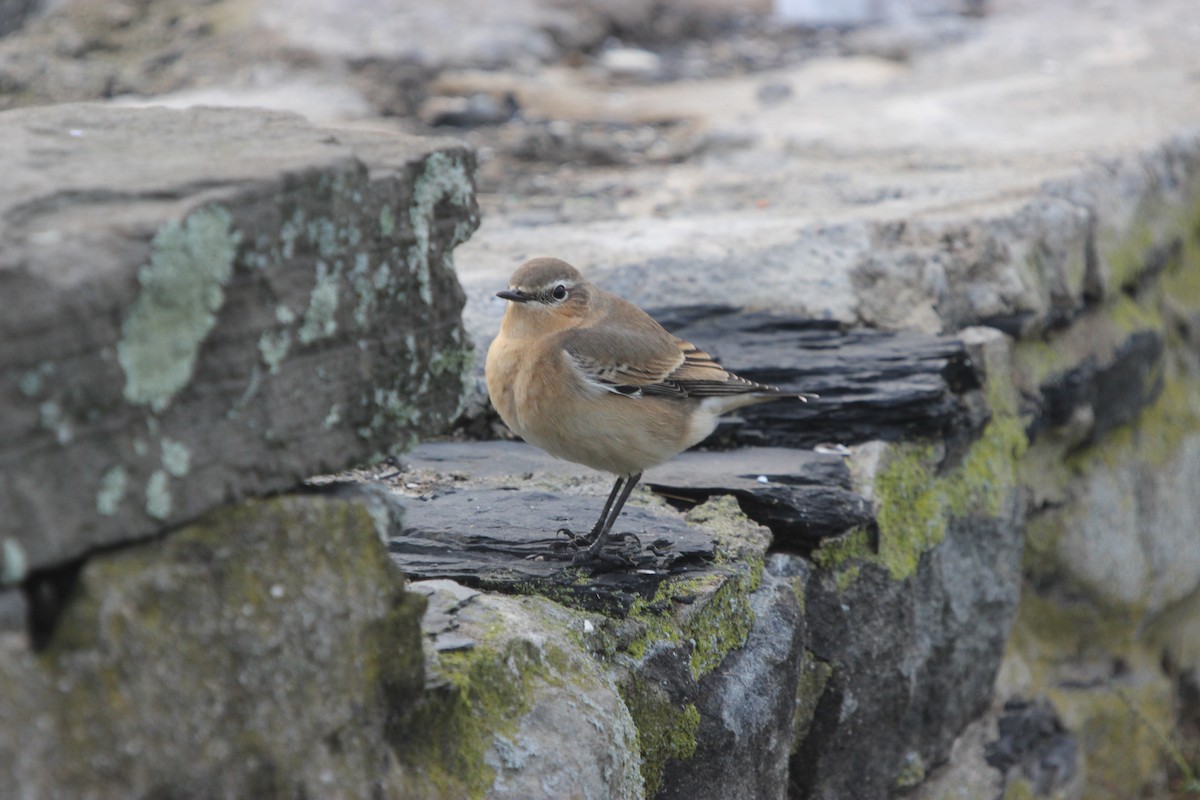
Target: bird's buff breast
pixel 596 428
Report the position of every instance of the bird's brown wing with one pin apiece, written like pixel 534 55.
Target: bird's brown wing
pixel 701 376
pixel 636 358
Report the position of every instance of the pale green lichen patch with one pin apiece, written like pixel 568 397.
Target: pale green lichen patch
pixel 452 360
pixel 912 773
pixel 30 384
pixel 274 347
pixel 319 319
pixel 392 414
pixel 112 490
pixel 158 495
pixel 176 458
pixel 322 234
pixel 387 222
pixel 33 381
pixel 457 361
pixel 364 285
pixel 248 393
pixel 284 314
pixel 55 421
pixel 444 179
pixel 14 566
pixel 383 278
pixel 182 289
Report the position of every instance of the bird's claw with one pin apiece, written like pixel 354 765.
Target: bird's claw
pixel 620 551
pixel 625 551
pixel 574 539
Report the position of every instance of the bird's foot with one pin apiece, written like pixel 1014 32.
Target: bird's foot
pixel 626 551
pixel 576 540
pixel 564 549
pixel 618 551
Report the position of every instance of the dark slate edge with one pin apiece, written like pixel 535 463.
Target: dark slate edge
pixel 872 384
pixel 484 538
pixel 800 517
pixel 1116 391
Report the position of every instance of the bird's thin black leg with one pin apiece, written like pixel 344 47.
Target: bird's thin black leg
pixel 600 523
pixel 609 518
pixel 576 539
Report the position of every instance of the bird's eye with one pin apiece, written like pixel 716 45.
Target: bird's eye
pixel 559 292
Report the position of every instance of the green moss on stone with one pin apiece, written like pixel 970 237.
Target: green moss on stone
pixel 1127 252
pixel 912 508
pixel 665 730
pixel 488 690
pixel 709 615
pixel 722 627
pixel 915 503
pixel 1017 788
pixel 1122 752
pixel 1056 630
pixel 182 289
pixel 1126 257
pixel 739 541
pixel 716 617
pixel 912 774
pixel 814 675
pixel 168 658
pixel 1131 316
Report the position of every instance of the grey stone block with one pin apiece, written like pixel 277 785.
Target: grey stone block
pixel 212 304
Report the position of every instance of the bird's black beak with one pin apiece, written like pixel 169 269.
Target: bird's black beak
pixel 516 295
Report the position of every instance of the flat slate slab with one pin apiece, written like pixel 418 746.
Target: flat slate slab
pixel 485 511
pixel 801 495
pixel 211 304
pixel 493 538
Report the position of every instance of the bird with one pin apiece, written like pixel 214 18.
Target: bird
pixel 591 378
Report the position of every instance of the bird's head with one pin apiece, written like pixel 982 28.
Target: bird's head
pixel 547 292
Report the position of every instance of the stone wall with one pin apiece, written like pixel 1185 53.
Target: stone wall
pixel 969 569
pixel 203 308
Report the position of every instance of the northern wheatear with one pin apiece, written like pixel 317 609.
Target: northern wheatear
pixel 591 378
